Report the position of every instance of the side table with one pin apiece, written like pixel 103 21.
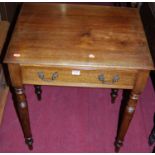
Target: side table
pixel 81 46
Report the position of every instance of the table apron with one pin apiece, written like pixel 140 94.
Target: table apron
pixel 59 76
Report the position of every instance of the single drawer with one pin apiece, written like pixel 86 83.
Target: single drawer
pixel 106 78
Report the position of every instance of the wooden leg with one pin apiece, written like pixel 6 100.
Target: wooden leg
pixel 130 107
pixel 114 94
pixel 20 101
pixel 22 109
pixel 127 117
pixel 38 91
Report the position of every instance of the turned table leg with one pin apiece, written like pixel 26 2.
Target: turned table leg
pixel 127 116
pixel 38 91
pixel 20 102
pixel 129 110
pixel 22 109
pixel 114 94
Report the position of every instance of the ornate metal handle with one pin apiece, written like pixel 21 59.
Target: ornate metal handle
pixel 54 76
pixel 114 80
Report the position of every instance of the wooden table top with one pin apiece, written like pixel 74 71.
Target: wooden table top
pixel 79 35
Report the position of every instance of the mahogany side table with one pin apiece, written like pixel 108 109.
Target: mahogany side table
pixel 78 45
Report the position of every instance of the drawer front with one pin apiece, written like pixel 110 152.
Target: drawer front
pixel 78 77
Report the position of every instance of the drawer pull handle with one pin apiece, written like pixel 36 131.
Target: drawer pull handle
pixel 54 76
pixel 114 80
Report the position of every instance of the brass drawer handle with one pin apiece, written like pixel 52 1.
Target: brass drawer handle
pixel 114 80
pixel 54 76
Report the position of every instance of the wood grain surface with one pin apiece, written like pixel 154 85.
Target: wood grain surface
pixel 79 35
pixel 77 44
pixel 78 77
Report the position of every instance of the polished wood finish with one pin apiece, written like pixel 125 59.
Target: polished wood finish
pixel 80 45
pixel 88 77
pixel 130 108
pixel 79 35
pixel 22 109
pixel 21 103
pixel 4 94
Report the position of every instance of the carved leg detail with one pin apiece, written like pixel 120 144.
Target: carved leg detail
pixel 38 91
pixel 127 116
pixel 22 109
pixel 114 94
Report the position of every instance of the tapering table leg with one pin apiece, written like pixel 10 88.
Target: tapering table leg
pixel 114 94
pixel 38 91
pixel 20 102
pixel 129 110
pixel 22 109
pixel 127 116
